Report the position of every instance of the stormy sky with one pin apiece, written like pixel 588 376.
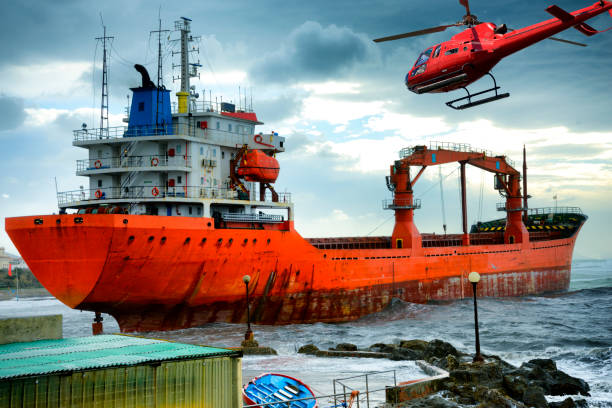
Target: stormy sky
pixel 315 76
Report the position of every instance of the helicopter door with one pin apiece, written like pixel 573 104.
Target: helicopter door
pixel 436 52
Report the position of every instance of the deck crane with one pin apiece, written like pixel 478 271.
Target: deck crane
pixel 507 180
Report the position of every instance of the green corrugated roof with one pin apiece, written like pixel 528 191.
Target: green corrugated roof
pixel 85 353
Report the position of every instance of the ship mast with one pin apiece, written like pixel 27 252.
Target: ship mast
pixel 159 31
pixel 104 102
pixel 188 70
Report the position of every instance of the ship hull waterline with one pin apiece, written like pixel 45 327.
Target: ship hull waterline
pixel 165 273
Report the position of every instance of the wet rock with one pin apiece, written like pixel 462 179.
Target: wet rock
pixel 432 401
pixel 308 349
pixel 489 398
pixel 515 385
pixel 406 354
pixel 249 343
pixel 260 351
pixel 382 348
pixel 345 347
pixel 439 349
pixel 569 403
pixel 451 362
pixel 544 373
pixel 534 397
pixel 418 345
pixel 488 374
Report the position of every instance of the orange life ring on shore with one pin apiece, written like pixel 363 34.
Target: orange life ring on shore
pixel 155 191
pixel 98 193
pixel 154 162
pixel 97 165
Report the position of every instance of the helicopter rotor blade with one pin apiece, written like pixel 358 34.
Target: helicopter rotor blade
pixel 567 41
pixel 416 33
pixel 466 4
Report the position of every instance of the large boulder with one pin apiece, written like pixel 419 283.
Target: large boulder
pixel 488 374
pixel 439 349
pixel 569 403
pixel 308 349
pixel 419 345
pixel 345 347
pixel 431 401
pixel 382 348
pixel 544 373
pixel 534 397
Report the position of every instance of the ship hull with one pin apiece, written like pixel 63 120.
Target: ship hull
pixel 166 273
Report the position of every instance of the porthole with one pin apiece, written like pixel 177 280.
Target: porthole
pixel 203 241
pixel 163 240
pixel 151 238
pixel 187 240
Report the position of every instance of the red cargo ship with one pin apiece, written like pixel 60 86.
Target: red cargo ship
pixel 178 211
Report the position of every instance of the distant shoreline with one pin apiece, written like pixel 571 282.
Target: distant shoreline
pixel 8 294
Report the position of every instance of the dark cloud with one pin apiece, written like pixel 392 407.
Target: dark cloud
pixel 12 113
pixel 277 109
pixel 313 52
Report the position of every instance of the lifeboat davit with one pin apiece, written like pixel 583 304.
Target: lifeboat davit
pixel 255 165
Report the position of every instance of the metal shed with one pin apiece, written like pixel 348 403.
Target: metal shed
pixel 118 371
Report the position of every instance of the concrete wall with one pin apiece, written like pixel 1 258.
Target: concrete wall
pixel 24 329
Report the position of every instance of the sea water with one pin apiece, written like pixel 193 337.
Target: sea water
pixel 573 328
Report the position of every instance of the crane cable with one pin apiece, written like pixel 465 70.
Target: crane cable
pixel 442 200
pixel 480 197
pixel 420 195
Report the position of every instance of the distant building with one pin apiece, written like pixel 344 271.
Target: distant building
pixel 4 259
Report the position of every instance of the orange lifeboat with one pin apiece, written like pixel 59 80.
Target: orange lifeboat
pixel 255 165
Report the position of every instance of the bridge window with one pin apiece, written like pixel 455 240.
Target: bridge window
pixel 452 51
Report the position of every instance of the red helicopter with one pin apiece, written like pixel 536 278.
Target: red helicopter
pixel 471 54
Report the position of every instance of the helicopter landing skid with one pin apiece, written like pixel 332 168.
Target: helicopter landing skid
pixel 472 103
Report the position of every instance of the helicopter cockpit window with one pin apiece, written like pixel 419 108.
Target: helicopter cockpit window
pixel 452 51
pixel 436 52
pixel 423 57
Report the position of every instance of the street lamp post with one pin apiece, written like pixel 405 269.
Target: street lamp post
pixel 474 278
pixel 249 333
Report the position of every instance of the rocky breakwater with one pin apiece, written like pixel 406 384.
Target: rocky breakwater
pixel 491 383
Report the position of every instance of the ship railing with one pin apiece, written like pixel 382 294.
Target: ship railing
pixel 238 135
pixel 152 192
pixel 401 204
pixel 554 210
pixel 504 207
pixel 117 132
pixel 456 147
pixel 542 210
pixel 85 134
pixel 256 217
pixel 133 161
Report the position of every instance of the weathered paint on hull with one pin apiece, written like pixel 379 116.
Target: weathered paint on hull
pixel 162 273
